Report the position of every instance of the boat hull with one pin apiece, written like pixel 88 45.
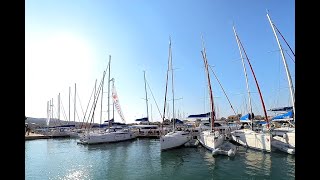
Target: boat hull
pixel 288 136
pixel 281 144
pixel 252 139
pixel 211 140
pixel 97 138
pixel 174 140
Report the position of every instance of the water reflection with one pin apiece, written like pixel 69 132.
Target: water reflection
pixel 257 162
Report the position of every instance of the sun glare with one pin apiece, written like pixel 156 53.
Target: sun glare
pixel 55 63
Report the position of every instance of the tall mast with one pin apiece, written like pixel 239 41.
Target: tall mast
pixel 75 95
pixel 256 81
pixel 286 67
pixel 113 110
pixel 151 112
pixel 101 99
pixel 94 96
pixel 173 116
pixel 223 91
pixel 59 106
pixel 109 92
pixel 145 87
pixel 212 113
pixel 112 79
pixel 52 108
pixel 48 113
pixel 165 95
pixel 246 76
pixel 69 102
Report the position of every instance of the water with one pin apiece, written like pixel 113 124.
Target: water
pixel 142 159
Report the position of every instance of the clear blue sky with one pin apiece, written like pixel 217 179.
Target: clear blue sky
pixel 69 42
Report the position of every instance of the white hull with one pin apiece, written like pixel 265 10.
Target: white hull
pixel 224 129
pixel 211 140
pixel 73 134
pixel 174 140
pixel 58 133
pixel 288 135
pixel 280 144
pixel 252 139
pixel 106 137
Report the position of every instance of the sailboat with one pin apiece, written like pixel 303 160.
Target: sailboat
pixel 111 134
pixel 175 138
pixel 211 138
pixel 286 141
pixel 57 131
pixel 248 136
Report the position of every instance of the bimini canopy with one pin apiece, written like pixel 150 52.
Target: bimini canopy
pixel 99 125
pixel 287 115
pixel 286 109
pixel 145 119
pixel 200 115
pixel 178 121
pixel 247 117
pixel 111 120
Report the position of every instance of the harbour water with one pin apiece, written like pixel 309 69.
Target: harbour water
pixel 142 159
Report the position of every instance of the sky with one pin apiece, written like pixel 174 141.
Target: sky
pixel 68 44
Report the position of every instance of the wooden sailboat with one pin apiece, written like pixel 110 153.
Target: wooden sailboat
pixel 249 137
pixel 286 141
pixel 175 138
pixel 212 139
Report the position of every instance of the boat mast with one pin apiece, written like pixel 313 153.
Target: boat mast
pixel 52 109
pixel 69 102
pixel 59 106
pixel 151 112
pixel 145 87
pixel 109 92
pixel 112 79
pixel 48 113
pixel 223 91
pixel 173 116
pixel 75 95
pixel 101 101
pixel 94 98
pixel 212 113
pixel 165 95
pixel 286 67
pixel 256 81
pixel 246 76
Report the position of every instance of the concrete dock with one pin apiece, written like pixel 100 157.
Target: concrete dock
pixel 34 136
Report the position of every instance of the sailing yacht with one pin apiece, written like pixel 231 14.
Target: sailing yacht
pixel 248 137
pixel 112 133
pixel 211 138
pixel 175 138
pixel 286 141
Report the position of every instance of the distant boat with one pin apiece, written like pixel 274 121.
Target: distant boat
pixel 175 138
pixel 55 131
pixel 248 137
pixel 147 130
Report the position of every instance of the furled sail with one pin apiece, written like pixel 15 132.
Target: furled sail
pixel 116 102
